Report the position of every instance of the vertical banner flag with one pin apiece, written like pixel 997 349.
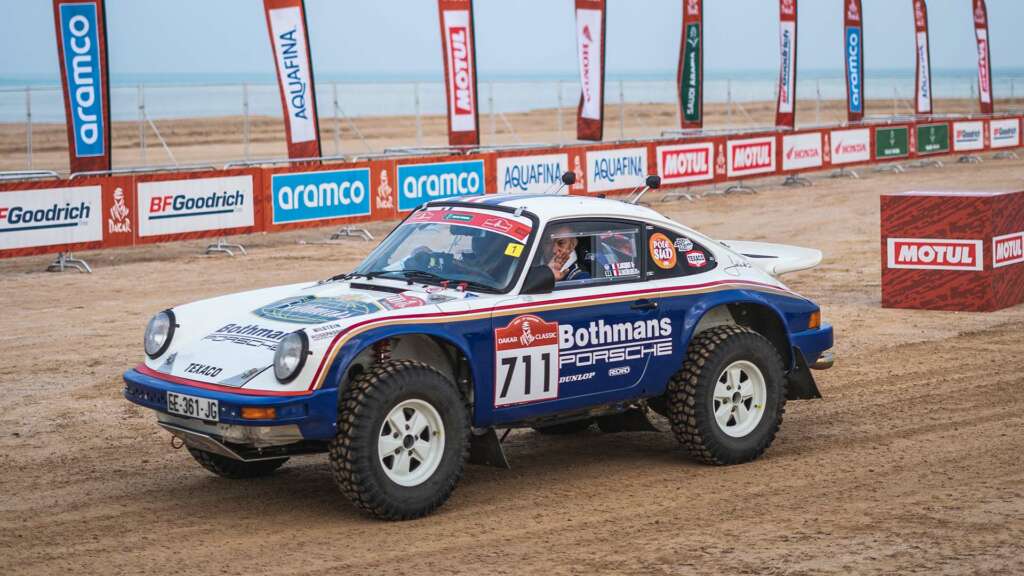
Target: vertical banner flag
pixel 785 117
pixel 984 57
pixel 459 48
pixel 690 77
pixel 82 50
pixel 853 38
pixel 590 37
pixel 923 87
pixel 286 23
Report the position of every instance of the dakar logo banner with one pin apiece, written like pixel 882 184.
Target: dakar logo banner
pixel 590 24
pixel 853 38
pixel 82 51
pixel 286 23
pixel 923 86
pixel 786 114
pixel 690 76
pixel 984 57
pixel 459 48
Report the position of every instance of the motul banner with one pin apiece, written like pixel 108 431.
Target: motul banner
pixel 458 46
pixel 82 50
pixel 853 41
pixel 286 23
pixel 785 117
pixel 690 77
pixel 590 21
pixel 984 57
pixel 923 86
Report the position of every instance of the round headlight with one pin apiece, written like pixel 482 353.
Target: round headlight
pixel 159 333
pixel 290 356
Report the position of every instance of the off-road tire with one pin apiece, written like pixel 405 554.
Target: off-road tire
pixel 565 428
pixel 235 469
pixel 364 404
pixel 691 389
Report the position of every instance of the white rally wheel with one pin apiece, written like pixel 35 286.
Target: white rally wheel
pixel 739 399
pixel 411 443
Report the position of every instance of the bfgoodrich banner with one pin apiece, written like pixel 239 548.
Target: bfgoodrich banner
pixel 177 206
pixel 50 216
pixel 419 183
pixel 308 196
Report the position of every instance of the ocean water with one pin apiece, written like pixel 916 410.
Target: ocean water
pixel 210 95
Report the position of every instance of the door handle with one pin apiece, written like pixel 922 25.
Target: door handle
pixel 644 305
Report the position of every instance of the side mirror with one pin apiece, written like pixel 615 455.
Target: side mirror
pixel 539 280
pixel 569 178
pixel 653 181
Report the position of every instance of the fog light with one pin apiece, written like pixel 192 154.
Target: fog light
pixel 258 413
pixel 815 320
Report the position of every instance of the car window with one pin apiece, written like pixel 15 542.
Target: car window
pixel 582 253
pixel 670 255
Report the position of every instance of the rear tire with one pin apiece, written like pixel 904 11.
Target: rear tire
pixel 235 469
pixel 726 403
pixel 565 428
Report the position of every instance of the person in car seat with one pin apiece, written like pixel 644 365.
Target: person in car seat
pixel 560 255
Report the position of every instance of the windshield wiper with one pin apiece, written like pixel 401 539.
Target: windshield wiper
pixel 424 275
pixel 351 275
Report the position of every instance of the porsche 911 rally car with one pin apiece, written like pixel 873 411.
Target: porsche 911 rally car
pixel 550 312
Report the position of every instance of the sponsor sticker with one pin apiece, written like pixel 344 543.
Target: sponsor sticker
pixel 600 342
pixel 526 361
pixel 683 244
pixel 968 136
pixel 80 44
pixel 616 169
pixel 50 216
pixel 619 371
pixel 419 183
pixel 801 151
pixel 514 250
pixel 403 300
pixel 1005 133
pixel 175 206
pixel 682 163
pixel 1008 249
pixel 252 335
pixel 850 146
pixel 751 156
pixel 616 269
pixel 511 228
pixel 314 310
pixel 531 174
pixel 935 254
pixel 892 142
pixel 309 196
pixel 933 138
pixel 663 251
pixel 696 259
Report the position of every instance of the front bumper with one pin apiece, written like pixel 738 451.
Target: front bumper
pixel 310 417
pixel 814 345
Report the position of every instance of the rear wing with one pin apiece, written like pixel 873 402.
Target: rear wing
pixel 776 259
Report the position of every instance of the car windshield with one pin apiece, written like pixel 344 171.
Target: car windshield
pixel 482 249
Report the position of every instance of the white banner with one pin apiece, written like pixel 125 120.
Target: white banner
pixel 588 45
pixel 616 169
pixel 531 174
pixel 968 136
pixel 787 53
pixel 50 216
pixel 752 156
pixel 460 70
pixel 849 146
pixel 682 163
pixel 801 151
pixel 984 67
pixel 289 34
pixel 1004 133
pixel 924 75
pixel 176 206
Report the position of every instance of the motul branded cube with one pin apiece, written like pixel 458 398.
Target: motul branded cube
pixel 952 250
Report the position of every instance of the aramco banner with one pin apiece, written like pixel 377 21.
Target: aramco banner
pixel 459 49
pixel 984 57
pixel 590 23
pixel 785 116
pixel 853 41
pixel 923 86
pixel 82 51
pixel 286 22
pixel 690 77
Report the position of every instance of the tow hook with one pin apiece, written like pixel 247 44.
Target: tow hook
pixel 824 362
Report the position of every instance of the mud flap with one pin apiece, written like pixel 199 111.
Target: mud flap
pixel 485 450
pixel 801 382
pixel 632 420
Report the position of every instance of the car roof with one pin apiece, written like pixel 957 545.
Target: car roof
pixel 551 206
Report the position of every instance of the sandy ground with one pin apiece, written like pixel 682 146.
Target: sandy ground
pixel 910 464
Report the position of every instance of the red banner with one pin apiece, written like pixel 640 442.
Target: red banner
pixel 286 24
pixel 984 57
pixel 459 48
pixel 853 41
pixel 785 116
pixel 690 77
pixel 923 85
pixel 590 40
pixel 82 51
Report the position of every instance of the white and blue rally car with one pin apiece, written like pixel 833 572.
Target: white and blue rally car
pixel 550 312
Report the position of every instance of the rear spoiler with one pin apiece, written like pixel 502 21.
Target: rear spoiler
pixel 776 259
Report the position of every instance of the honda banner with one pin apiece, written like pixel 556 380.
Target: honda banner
pixel 853 39
pixel 286 22
pixel 82 51
pixel 590 21
pixel 458 46
pixel 923 86
pixel 984 57
pixel 786 115
pixel 690 77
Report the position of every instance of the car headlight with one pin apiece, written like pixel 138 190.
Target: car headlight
pixel 159 333
pixel 290 356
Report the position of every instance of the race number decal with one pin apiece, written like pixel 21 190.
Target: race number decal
pixel 525 362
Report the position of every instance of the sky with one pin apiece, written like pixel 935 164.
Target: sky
pixel 400 38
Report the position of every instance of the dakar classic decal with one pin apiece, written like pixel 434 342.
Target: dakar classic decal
pixel 313 310
pixel 525 361
pixel 663 251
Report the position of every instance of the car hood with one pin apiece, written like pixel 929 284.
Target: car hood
pixel 231 340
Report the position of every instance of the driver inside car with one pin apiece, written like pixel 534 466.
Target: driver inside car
pixel 559 254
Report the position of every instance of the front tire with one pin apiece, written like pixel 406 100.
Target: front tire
pixel 402 441
pixel 235 469
pixel 726 403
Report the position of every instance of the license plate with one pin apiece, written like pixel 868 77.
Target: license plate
pixel 193 407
